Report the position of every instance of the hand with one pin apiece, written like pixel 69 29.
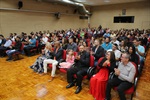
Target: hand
pixel 117 71
pixel 10 47
pixel 107 62
pixel 78 57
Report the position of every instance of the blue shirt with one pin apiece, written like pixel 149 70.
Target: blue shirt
pixel 106 35
pixel 107 46
pixel 142 50
pixel 33 42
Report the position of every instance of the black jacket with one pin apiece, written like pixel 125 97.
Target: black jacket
pixel 18 46
pixel 99 53
pixel 58 54
pixel 84 60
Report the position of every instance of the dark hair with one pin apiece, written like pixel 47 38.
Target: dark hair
pixel 137 39
pixel 133 49
pixel 112 56
pixel 65 40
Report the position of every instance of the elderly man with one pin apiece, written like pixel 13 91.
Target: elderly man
pixel 80 69
pixel 124 77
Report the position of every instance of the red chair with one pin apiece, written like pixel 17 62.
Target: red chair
pixel 100 59
pixel 63 70
pixel 16 54
pixel 63 56
pixel 88 42
pixel 133 88
pixel 91 65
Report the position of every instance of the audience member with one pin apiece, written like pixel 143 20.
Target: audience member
pixel 80 69
pixel 15 48
pixel 124 77
pixel 97 51
pixel 107 45
pixel 99 81
pixel 46 54
pixel 69 60
pixel 57 54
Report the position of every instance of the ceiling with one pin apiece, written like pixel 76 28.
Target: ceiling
pixel 104 2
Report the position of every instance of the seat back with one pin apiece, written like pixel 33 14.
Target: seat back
pixel 91 60
pixel 64 55
pixel 100 59
pixel 136 74
pixel 37 43
pixel 22 47
pixel 75 53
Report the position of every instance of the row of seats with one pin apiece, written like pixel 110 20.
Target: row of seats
pixel 92 71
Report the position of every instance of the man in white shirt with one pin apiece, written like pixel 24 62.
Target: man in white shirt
pixel 44 39
pixel 5 47
pixel 115 41
pixel 116 51
pixel 124 78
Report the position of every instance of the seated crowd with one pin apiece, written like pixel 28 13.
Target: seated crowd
pixel 113 51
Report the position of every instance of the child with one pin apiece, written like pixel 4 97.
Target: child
pixel 69 60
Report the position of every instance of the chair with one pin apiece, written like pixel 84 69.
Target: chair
pixel 35 49
pixel 16 54
pixel 63 56
pixel 92 70
pixel 63 70
pixel 133 88
pixel 88 42
pixel 91 65
pixel 139 67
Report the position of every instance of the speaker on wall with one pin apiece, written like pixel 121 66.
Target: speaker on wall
pixel 20 4
pixel 57 15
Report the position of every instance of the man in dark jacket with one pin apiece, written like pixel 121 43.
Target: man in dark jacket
pixel 97 52
pixel 14 49
pixel 82 61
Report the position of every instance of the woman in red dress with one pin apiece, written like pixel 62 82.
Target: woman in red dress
pixel 99 81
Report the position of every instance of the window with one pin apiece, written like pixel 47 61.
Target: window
pixel 124 19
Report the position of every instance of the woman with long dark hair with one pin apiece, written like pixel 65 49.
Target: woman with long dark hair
pixel 99 81
pixel 133 56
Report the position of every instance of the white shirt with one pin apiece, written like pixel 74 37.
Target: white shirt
pixel 117 53
pixel 45 39
pixel 8 43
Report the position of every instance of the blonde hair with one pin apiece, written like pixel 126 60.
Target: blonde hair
pixel 48 46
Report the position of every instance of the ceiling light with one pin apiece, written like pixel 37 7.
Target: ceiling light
pixel 106 0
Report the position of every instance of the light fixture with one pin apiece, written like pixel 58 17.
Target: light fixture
pixel 106 0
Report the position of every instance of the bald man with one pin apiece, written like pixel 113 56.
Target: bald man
pixel 80 69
